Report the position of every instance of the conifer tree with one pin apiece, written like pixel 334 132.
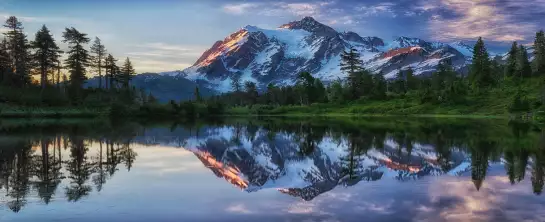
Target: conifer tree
pixel 77 61
pixel 251 91
pixel 511 65
pixel 46 54
pixel 400 83
pixel 18 50
pixel 110 68
pixel 98 51
pixel 539 52
pixel 126 74
pixel 412 81
pixel 5 64
pixel 319 94
pixel 480 75
pixel 306 81
pixel 523 68
pixel 197 94
pixel 352 65
pixel 236 83
pixel 379 86
pixel 336 92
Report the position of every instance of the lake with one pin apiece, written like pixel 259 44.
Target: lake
pixel 273 169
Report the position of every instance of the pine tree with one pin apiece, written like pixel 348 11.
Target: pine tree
pixel 480 75
pixel 412 81
pixel 336 92
pixel 352 65
pixel 77 61
pixel 379 86
pixel 98 51
pixel 523 68
pixel 197 94
pixel 306 82
pixel 5 64
pixel 235 83
pixel 251 91
pixel 366 83
pixel 400 85
pixel 110 68
pixel 19 51
pixel 319 94
pixel 511 65
pixel 126 73
pixel 539 52
pixel 46 55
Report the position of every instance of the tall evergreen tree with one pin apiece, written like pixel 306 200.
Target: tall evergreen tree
pixel 379 86
pixel 126 74
pixel 235 82
pixel 480 75
pixel 5 64
pixel 412 81
pixel 319 94
pixel 98 51
pixel 352 65
pixel 306 82
pixel 18 50
pixel 110 68
pixel 539 52
pixel 251 92
pixel 511 65
pixel 400 84
pixel 77 61
pixel 197 94
pixel 46 54
pixel 524 69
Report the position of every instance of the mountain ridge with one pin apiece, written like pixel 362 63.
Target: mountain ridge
pixel 277 55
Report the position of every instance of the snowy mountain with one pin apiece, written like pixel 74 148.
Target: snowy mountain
pixel 254 160
pixel 278 55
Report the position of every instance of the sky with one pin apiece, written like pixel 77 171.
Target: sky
pixel 167 35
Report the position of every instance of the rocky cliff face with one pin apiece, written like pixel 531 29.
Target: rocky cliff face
pixel 276 56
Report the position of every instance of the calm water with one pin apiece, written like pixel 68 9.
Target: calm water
pixel 273 170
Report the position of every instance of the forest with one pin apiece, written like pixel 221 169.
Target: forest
pixel 37 79
pixel 491 86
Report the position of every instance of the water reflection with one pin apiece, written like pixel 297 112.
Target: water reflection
pixel 41 164
pixel 303 158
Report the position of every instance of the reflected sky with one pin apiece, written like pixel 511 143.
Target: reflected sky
pixel 176 176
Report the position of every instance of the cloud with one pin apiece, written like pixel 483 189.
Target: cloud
pixel 3 30
pixel 41 20
pixel 238 9
pixel 238 208
pixel 491 19
pixel 158 56
pixel 385 8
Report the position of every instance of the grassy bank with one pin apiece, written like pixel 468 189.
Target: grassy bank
pixel 51 112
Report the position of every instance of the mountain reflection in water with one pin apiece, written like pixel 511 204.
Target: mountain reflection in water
pixel 303 158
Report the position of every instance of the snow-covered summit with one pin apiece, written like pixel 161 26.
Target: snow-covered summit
pixel 277 55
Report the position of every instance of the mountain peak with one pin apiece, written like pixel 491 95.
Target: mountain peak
pixel 311 25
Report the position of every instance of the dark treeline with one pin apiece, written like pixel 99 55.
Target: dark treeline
pixel 60 82
pixel 443 87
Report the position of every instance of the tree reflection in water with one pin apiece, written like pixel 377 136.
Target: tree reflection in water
pixel 40 163
pixel 80 161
